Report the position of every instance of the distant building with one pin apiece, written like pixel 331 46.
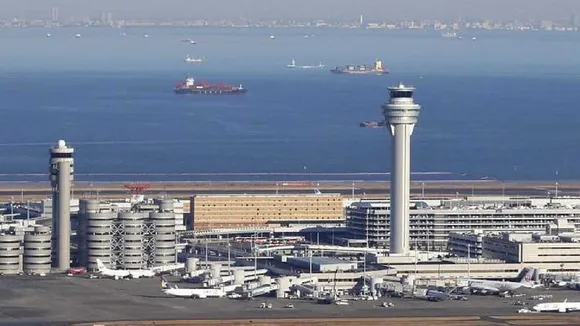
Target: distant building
pixel 54 14
pixel 234 211
pixel 559 244
pixel 431 221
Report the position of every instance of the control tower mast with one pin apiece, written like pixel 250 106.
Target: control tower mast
pixel 401 114
pixel 61 177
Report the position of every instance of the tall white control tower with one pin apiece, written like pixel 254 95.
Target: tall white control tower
pixel 61 178
pixel 401 114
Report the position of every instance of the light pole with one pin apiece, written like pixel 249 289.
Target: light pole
pixel 255 258
pixel 229 258
pixel 310 255
pixel 468 261
pixel 206 254
pixel 416 257
pixel 422 190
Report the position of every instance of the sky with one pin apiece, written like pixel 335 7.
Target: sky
pixel 373 10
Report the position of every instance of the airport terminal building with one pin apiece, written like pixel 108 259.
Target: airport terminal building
pixel 431 221
pixel 235 211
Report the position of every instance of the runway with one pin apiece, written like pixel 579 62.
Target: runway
pixel 61 300
pixel 359 189
pixel 546 320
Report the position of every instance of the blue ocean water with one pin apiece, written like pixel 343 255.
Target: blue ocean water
pixel 504 106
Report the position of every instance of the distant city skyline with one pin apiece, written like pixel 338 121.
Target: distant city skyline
pixel 373 10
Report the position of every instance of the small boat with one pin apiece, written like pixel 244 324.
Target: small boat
pixel 272 37
pixel 293 65
pixel 449 35
pixel 78 35
pixel 193 59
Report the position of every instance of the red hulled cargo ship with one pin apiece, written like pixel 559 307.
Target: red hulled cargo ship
pixel 190 86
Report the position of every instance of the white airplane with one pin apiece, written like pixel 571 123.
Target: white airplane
pixel 557 306
pixel 122 273
pixel 500 287
pixel 173 290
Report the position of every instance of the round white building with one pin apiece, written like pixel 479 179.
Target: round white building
pixel 164 221
pixel 9 254
pixel 37 251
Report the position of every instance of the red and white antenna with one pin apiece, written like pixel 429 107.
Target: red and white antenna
pixel 136 190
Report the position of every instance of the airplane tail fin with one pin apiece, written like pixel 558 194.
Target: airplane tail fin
pixel 527 276
pixel 100 266
pixel 165 284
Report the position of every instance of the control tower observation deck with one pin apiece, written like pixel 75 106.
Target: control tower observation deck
pixel 401 113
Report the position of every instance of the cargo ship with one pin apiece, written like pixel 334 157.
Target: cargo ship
pixel 373 124
pixel 376 69
pixel 190 86
pixel 293 65
pixel 193 59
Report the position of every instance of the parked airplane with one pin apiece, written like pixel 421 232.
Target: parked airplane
pixel 502 287
pixel 172 289
pixel 122 273
pixel 557 306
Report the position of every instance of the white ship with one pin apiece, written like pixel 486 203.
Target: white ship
pixel 293 65
pixel 193 59
pixel 449 35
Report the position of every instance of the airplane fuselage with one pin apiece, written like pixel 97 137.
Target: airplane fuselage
pixel 494 286
pixel 557 307
pixel 195 293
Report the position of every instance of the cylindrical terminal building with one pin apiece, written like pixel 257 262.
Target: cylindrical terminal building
pixel 37 251
pixel 98 233
pixel 135 242
pixel 61 177
pixel 164 221
pixel 9 254
pixel 191 264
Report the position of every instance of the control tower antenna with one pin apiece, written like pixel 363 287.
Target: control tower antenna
pixel 61 178
pixel 136 190
pixel 401 114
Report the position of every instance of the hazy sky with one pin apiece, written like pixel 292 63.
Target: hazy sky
pixel 298 9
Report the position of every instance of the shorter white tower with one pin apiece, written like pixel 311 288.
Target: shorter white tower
pixel 401 114
pixel 61 177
